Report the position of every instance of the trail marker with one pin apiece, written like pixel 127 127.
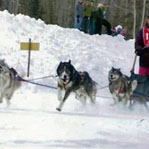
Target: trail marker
pixel 30 46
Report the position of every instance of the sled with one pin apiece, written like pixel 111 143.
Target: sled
pixel 142 89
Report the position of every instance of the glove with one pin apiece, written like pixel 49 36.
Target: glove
pixel 146 50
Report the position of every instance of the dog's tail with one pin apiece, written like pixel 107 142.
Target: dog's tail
pixel 134 84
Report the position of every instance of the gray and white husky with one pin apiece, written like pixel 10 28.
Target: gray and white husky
pixel 120 86
pixel 70 80
pixel 7 83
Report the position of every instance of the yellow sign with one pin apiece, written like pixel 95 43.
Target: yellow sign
pixel 32 46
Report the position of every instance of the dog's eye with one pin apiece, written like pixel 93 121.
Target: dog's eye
pixel 67 71
pixel 60 70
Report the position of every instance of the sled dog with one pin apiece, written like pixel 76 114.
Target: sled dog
pixel 70 80
pixel 120 86
pixel 7 83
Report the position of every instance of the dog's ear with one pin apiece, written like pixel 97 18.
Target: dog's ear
pixel 69 61
pixel 119 69
pixel 60 63
pixel 112 67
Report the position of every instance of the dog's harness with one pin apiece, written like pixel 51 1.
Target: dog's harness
pixel 14 75
pixel 120 89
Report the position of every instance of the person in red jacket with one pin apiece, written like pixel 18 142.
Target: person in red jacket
pixel 142 49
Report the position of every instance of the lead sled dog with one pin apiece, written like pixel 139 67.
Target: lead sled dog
pixel 8 85
pixel 70 80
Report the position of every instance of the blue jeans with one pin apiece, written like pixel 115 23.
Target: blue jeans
pixel 92 26
pixel 78 23
pixel 86 24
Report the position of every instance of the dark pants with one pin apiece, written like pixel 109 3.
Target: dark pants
pixel 85 24
pixel 98 27
pixel 108 26
pixel 92 26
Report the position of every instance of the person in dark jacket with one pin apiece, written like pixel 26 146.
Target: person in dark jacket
pixel 78 14
pixel 100 20
pixel 142 49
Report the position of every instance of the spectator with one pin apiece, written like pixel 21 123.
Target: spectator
pixel 78 14
pixel 88 9
pixel 142 49
pixel 119 30
pixel 92 20
pixel 100 20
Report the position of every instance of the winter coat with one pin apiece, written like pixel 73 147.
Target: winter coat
pixel 98 16
pixel 79 10
pixel 88 10
pixel 141 51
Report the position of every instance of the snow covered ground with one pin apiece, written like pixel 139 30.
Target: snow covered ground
pixel 31 122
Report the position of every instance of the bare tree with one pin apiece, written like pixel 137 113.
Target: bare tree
pixel 134 20
pixel 143 13
pixel 16 8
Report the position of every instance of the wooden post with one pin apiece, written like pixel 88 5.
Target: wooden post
pixel 29 46
pixel 29 57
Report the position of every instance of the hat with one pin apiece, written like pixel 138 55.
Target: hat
pixel 100 5
pixel 118 27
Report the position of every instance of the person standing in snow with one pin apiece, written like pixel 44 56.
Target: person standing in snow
pixel 78 14
pixel 92 19
pixel 88 10
pixel 142 49
pixel 100 20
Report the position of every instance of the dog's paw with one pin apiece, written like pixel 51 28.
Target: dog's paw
pixel 58 109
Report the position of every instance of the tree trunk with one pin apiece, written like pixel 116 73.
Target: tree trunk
pixel 143 13
pixel 134 20
pixel 16 7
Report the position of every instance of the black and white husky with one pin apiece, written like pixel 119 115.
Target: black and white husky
pixel 7 83
pixel 70 80
pixel 120 86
